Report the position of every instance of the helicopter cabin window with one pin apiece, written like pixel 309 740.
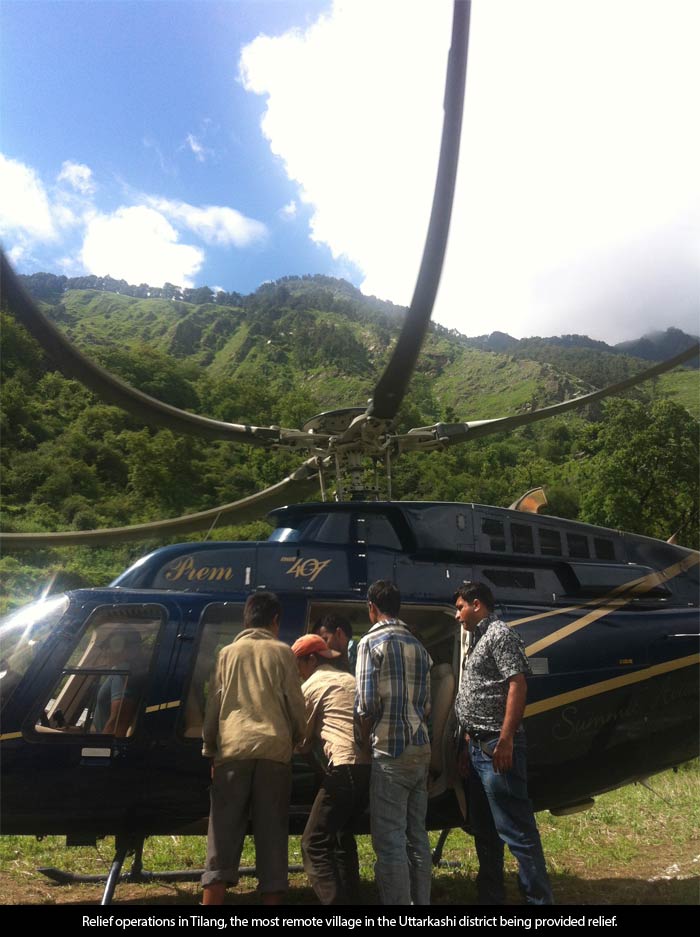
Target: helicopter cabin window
pixel 219 625
pixel 602 579
pixel 377 531
pixel 102 685
pixel 550 542
pixel 578 546
pixel 523 538
pixel 510 578
pixel 495 532
pixel 604 549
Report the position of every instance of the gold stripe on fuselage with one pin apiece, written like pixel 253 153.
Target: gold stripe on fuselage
pixel 605 686
pixel 149 709
pixel 161 706
pixel 615 599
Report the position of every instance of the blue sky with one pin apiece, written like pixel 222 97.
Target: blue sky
pixel 146 95
pixel 232 143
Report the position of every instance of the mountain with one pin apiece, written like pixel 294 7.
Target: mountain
pixel 658 345
pixel 333 294
pixel 279 356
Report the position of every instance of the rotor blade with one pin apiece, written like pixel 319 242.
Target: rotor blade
pixel 74 364
pixel 447 434
pixel 300 483
pixel 391 387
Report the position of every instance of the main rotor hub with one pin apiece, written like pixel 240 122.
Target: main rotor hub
pixel 332 422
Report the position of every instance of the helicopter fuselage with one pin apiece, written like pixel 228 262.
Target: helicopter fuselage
pixel 609 621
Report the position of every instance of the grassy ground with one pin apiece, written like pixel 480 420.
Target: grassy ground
pixel 634 846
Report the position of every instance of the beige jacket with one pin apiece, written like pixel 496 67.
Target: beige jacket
pixel 255 707
pixel 330 716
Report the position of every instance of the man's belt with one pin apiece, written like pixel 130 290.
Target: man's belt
pixel 479 735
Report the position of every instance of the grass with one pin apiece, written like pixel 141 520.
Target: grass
pixel 683 387
pixel 480 385
pixel 634 846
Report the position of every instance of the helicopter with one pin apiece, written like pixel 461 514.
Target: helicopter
pixel 609 619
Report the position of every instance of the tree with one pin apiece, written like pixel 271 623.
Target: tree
pixel 644 470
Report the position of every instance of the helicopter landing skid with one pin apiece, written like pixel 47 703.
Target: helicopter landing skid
pixel 138 876
pixel 436 857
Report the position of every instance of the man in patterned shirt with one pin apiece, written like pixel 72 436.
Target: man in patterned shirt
pixel 489 707
pixel 392 702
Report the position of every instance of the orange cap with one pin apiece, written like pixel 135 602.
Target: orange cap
pixel 312 644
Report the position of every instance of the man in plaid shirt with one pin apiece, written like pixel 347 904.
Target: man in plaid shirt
pixel 392 703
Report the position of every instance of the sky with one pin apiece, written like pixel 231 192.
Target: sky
pixel 228 144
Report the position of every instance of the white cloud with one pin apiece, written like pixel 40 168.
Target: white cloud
pixel 214 224
pixel 78 176
pixel 17 253
pixel 25 211
pixel 196 147
pixel 139 245
pixel 289 210
pixel 578 191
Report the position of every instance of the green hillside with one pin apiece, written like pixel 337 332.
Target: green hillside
pixel 278 357
pixel 683 387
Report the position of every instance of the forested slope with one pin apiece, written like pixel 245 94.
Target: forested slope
pixel 283 354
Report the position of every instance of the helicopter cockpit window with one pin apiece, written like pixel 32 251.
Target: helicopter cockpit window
pixel 102 684
pixel 284 535
pixel 22 635
pixel 220 623
pixel 320 528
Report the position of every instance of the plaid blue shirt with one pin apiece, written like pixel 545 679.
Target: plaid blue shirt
pixel 393 687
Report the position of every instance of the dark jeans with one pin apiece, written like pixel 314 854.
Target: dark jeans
pixel 501 812
pixel 328 845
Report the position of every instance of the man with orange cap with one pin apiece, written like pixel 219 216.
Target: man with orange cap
pixel 328 846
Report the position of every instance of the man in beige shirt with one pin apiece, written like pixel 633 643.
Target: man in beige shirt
pixel 328 844
pixel 255 715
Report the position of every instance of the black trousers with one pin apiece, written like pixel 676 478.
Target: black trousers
pixel 328 845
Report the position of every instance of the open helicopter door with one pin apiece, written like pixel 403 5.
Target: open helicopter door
pixel 86 736
pixel 436 628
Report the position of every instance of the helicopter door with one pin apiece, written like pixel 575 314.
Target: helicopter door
pixel 179 777
pixel 436 628
pixel 89 730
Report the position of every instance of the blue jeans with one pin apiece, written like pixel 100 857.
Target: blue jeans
pixel 398 803
pixel 501 812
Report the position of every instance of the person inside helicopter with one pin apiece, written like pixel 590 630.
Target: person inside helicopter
pixel 336 631
pixel 118 694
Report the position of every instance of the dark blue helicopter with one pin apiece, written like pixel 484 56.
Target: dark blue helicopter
pixel 609 620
